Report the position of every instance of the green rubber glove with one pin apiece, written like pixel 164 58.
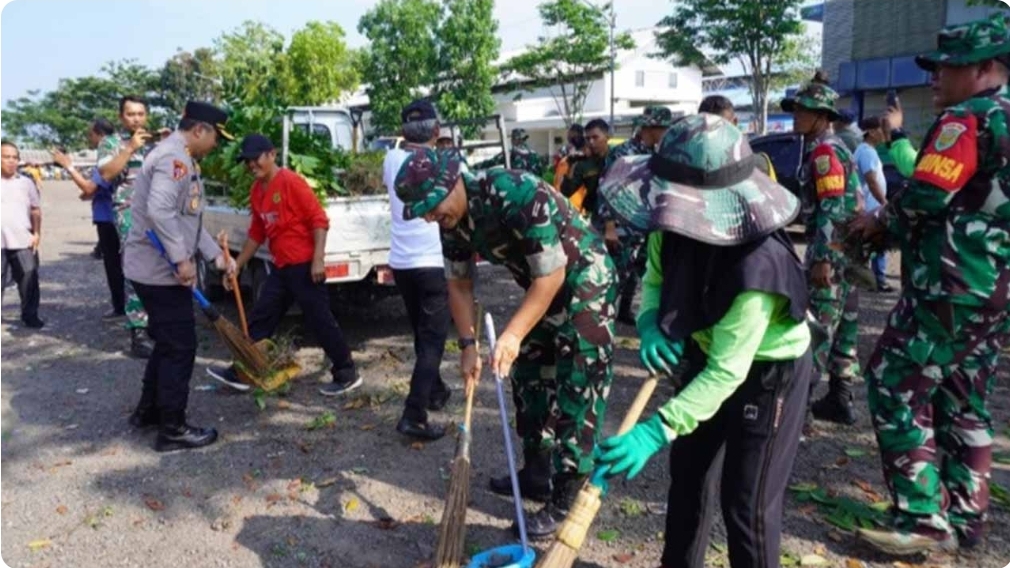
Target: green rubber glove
pixel 658 352
pixel 630 452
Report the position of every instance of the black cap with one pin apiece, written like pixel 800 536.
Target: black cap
pixel 206 112
pixel 846 117
pixel 253 146
pixel 418 110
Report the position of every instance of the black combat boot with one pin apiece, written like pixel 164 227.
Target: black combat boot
pixel 534 477
pixel 175 434
pixel 140 346
pixel 625 313
pixel 545 522
pixel 836 406
pixel 146 413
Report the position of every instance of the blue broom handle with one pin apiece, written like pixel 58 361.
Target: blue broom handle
pixel 507 433
pixel 158 246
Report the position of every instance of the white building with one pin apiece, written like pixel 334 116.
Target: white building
pixel 639 81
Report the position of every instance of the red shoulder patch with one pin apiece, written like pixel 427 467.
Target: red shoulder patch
pixel 828 173
pixel 179 170
pixel 950 158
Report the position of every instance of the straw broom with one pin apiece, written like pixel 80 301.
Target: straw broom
pixel 242 349
pixel 452 528
pixel 573 531
pixel 222 239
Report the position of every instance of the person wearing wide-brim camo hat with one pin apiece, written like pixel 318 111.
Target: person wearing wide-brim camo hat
pixel 724 294
pixel 830 193
pixel 560 338
pixel 934 364
pixel 521 156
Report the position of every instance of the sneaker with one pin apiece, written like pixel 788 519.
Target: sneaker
pixel 113 316
pixel 96 253
pixel 898 543
pixel 884 288
pixel 227 376
pixel 338 388
pixel 33 323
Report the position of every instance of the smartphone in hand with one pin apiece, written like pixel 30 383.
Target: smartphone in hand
pixel 892 98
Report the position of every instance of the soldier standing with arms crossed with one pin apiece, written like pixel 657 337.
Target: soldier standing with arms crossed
pixel 935 364
pixel 169 200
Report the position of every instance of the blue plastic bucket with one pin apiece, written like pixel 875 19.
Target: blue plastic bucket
pixel 508 556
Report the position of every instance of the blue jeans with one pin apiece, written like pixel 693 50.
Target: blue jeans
pixel 879 266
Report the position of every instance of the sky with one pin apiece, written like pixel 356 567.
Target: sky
pixel 42 41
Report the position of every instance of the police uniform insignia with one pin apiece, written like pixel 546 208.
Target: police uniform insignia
pixel 948 135
pixel 194 204
pixel 179 170
pixel 823 164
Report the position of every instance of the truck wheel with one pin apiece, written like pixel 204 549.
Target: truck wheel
pixel 208 281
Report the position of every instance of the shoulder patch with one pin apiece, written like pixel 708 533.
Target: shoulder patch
pixel 179 170
pixel 829 174
pixel 950 159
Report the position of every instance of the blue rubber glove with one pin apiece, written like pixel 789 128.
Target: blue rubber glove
pixel 658 352
pixel 630 452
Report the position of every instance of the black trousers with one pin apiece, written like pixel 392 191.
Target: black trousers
pixel 425 294
pixel 294 284
pixel 746 452
pixel 108 242
pixel 23 265
pixel 172 325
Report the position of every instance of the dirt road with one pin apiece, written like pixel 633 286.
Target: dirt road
pixel 308 481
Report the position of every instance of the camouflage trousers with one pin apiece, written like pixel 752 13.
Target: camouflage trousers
pixel 836 308
pixel 562 376
pixel 928 382
pixel 630 262
pixel 136 317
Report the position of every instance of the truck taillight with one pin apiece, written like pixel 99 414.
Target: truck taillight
pixel 339 270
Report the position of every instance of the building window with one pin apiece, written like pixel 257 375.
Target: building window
pixel 672 81
pixel 639 78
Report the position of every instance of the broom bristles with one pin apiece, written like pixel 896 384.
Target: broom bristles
pixel 254 360
pixel 452 529
pixel 572 533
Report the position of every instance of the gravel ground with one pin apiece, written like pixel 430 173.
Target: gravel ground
pixel 83 489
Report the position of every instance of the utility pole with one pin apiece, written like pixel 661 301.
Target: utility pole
pixel 613 60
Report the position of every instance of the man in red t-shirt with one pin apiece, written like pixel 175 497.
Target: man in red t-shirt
pixel 286 213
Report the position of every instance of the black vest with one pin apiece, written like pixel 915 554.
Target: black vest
pixel 701 281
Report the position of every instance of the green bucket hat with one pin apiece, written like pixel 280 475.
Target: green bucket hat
pixel 703 183
pixel 816 97
pixel 425 179
pixel 968 43
pixel 655 116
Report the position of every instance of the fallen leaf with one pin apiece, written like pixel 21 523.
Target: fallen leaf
pixel 153 504
pixel 835 536
pixel 283 404
pixel 821 550
pixel 187 493
pixel 355 404
pixel 864 485
pixel 608 535
pixel 803 487
pixel 853 563
pixel 236 499
pixel 842 461
pixel 351 505
pixel 39 544
pixel 623 558
pixel 386 523
pixel 273 498
pixel 807 510
pixel 359 470
pixel 417 446
pixel 900 564
pixel 62 509
pixel 61 464
pixel 367 427
pixel 294 484
pixel 813 560
pixel 326 482
pixel 855 452
pixel 305 447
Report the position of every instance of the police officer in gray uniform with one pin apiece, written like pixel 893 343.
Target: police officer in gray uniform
pixel 168 198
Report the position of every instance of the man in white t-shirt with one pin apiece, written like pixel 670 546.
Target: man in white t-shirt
pixel 416 259
pixel 874 186
pixel 20 229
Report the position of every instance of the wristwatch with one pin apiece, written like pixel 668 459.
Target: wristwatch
pixel 464 342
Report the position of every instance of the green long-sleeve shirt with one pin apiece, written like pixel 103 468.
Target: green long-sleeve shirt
pixel 757 327
pixel 903 155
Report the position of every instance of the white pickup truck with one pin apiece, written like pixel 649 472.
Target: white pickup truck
pixel 357 244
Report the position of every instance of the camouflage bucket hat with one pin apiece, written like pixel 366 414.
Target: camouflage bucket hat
pixel 520 134
pixel 656 116
pixel 425 179
pixel 968 43
pixel 703 183
pixel 816 97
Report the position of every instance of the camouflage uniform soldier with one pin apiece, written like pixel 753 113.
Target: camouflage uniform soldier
pixel 625 245
pixel 560 338
pixel 522 157
pixel 831 199
pixel 119 161
pixel 725 293
pixel 581 185
pixel 935 364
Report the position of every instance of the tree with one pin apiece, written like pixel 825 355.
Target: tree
pixel 189 76
pixel 567 63
pixel 402 57
pixel 467 49
pixel 795 64
pixel 757 31
pixel 320 67
pixel 252 62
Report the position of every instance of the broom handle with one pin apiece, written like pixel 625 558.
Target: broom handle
pixel 470 389
pixel 638 405
pixel 234 286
